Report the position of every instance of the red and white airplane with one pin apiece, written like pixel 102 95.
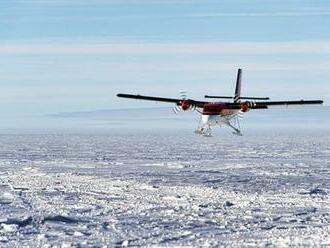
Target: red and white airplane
pixel 221 113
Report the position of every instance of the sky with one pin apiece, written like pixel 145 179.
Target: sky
pixel 59 56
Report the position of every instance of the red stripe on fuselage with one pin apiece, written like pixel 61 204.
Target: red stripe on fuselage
pixel 217 108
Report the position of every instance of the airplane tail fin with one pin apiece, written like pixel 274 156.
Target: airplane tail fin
pixel 238 97
pixel 238 86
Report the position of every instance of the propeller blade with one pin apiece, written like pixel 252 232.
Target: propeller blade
pixel 240 114
pixel 176 109
pixel 183 94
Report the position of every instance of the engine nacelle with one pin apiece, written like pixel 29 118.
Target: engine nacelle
pixel 245 106
pixel 186 105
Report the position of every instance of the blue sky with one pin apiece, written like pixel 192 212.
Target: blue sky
pixel 70 56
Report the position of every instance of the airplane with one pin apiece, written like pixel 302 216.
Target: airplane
pixel 221 113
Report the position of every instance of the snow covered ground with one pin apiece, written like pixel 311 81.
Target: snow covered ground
pixel 165 189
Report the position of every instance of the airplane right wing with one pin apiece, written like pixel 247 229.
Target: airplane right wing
pixel 287 103
pixel 264 105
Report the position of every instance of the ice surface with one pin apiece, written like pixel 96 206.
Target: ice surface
pixel 164 189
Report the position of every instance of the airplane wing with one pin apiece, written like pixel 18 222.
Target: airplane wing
pixel 287 103
pixel 230 105
pixel 198 104
pixel 265 105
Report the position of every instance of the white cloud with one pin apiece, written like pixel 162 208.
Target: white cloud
pixel 262 14
pixel 157 48
pixel 114 2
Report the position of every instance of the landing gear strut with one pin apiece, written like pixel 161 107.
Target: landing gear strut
pixel 235 125
pixel 204 129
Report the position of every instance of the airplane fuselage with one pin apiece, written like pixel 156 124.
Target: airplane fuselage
pixel 217 108
pixel 214 112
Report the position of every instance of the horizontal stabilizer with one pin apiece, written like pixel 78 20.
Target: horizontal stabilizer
pixel 242 97
pixel 238 106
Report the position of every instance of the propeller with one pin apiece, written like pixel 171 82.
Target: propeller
pixel 185 104
pixel 176 109
pixel 240 114
pixel 245 107
pixel 183 94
